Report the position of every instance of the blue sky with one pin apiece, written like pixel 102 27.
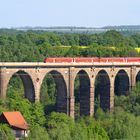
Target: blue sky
pixel 89 13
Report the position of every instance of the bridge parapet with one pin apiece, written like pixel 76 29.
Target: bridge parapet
pixel 41 64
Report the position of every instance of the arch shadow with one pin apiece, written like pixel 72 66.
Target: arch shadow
pixel 29 91
pixel 60 90
pixel 82 94
pixel 138 77
pixel 121 83
pixel 102 91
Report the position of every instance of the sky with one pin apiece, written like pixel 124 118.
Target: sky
pixel 81 13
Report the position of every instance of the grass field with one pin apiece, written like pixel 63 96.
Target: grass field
pixel 137 49
pixel 84 47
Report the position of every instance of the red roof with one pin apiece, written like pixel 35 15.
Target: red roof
pixel 15 119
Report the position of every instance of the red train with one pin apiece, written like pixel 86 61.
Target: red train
pixel 90 59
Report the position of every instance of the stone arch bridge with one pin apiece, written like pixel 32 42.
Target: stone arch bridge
pixel 32 75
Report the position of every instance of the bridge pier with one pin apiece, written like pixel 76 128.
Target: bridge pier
pixel 71 92
pixel 112 94
pixel 37 86
pixel 71 106
pixel 3 82
pixel 133 77
pixel 92 101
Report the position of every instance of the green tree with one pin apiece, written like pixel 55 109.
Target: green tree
pixel 136 38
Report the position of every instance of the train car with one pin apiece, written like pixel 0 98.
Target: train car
pixel 91 59
pixel 133 59
pixel 63 60
pixel 115 59
pixel 83 59
pixel 58 60
pixel 49 60
pixel 95 59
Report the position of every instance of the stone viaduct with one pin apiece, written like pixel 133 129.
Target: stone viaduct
pixel 64 74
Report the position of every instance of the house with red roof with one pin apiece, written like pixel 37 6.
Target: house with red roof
pixel 17 122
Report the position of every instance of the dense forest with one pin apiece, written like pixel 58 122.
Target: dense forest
pixel 35 46
pixel 45 123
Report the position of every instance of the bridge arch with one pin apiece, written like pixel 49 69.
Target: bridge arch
pixel 29 91
pixel 121 83
pixel 77 70
pixel 102 91
pixel 61 103
pixel 82 93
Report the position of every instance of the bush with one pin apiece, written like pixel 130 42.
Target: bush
pixel 59 126
pixel 79 132
pixel 38 133
pixel 123 125
pixel 6 133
